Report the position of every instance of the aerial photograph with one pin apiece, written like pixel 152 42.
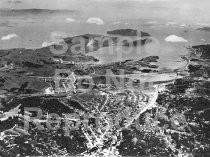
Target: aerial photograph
pixel 104 78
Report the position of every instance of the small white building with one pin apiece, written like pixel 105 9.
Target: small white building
pixel 49 91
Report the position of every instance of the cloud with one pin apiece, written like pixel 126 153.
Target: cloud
pixel 47 43
pixel 174 38
pixel 55 38
pixel 183 25
pixel 9 37
pixel 58 36
pixel 70 20
pixel 95 20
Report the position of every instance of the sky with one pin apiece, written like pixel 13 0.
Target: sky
pixel 69 4
pixel 182 12
pixel 180 9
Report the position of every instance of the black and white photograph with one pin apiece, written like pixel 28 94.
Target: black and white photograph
pixel 104 78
